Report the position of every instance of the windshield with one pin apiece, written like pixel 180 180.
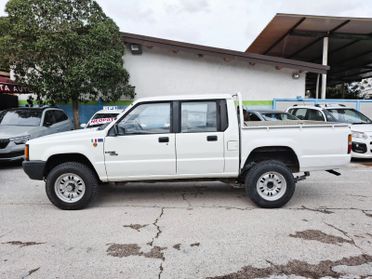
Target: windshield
pixel 274 116
pixel 100 119
pixel 21 117
pixel 348 115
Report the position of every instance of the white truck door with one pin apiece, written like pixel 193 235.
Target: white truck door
pixel 200 141
pixel 145 145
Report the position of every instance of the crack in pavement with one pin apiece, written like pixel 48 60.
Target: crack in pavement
pixel 155 223
pixel 151 243
pixel 23 244
pixel 367 214
pixel 345 234
pixel 161 269
pixel 31 271
pixel 321 210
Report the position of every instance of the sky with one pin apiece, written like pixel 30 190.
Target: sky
pixel 231 24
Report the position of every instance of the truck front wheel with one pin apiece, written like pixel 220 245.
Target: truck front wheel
pixel 71 185
pixel 270 184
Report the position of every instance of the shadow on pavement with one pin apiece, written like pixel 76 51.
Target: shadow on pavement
pixel 171 191
pixel 10 165
pixel 364 162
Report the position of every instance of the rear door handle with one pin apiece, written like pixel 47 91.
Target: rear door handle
pixel 163 139
pixel 112 153
pixel 212 138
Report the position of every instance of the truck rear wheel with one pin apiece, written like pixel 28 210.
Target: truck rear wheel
pixel 270 184
pixel 71 185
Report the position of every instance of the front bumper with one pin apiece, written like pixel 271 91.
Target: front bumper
pixel 362 149
pixel 34 169
pixel 12 152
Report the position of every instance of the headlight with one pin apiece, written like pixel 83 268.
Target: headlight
pixel 359 135
pixel 20 140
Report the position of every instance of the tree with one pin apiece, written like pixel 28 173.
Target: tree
pixel 64 51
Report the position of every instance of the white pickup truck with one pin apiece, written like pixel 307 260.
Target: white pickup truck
pixel 186 138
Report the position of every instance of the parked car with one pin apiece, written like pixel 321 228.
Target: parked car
pixel 361 125
pixel 267 115
pixel 102 117
pixel 19 125
pixel 188 138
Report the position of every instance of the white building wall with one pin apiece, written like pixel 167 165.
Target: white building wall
pixel 162 72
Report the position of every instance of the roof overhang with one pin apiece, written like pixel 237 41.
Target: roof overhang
pixel 278 62
pixel 300 37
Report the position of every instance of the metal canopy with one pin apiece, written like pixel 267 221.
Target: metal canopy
pixel 300 37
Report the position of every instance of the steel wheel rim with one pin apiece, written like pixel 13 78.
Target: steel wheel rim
pixel 271 186
pixel 69 187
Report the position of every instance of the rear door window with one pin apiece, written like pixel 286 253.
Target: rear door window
pixel 314 115
pixel 49 118
pixel 300 113
pixel 60 116
pixel 199 116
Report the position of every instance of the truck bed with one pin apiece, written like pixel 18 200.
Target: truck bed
pixel 318 145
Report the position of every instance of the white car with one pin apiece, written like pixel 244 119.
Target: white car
pixel 187 138
pixel 102 117
pixel 361 125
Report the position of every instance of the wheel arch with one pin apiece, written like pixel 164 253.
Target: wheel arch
pixel 58 159
pixel 283 154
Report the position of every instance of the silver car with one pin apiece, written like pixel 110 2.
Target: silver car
pixel 19 125
pixel 267 115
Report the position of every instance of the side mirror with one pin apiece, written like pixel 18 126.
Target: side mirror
pixel 119 131
pixel 83 125
pixel 47 124
pixel 116 131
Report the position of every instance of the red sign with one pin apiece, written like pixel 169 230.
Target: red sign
pixel 11 88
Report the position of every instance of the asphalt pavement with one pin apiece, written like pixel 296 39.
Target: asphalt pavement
pixel 189 230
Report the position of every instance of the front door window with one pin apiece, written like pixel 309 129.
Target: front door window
pixel 147 119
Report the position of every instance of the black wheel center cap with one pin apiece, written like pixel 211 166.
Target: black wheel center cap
pixel 70 187
pixel 270 184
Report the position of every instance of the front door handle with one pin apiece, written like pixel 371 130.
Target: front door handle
pixel 212 138
pixel 111 153
pixel 163 139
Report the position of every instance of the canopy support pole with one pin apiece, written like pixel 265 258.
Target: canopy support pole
pixel 317 86
pixel 325 62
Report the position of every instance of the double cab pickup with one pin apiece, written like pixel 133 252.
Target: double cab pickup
pixel 201 137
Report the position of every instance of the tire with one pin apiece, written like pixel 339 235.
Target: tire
pixel 71 186
pixel 270 184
